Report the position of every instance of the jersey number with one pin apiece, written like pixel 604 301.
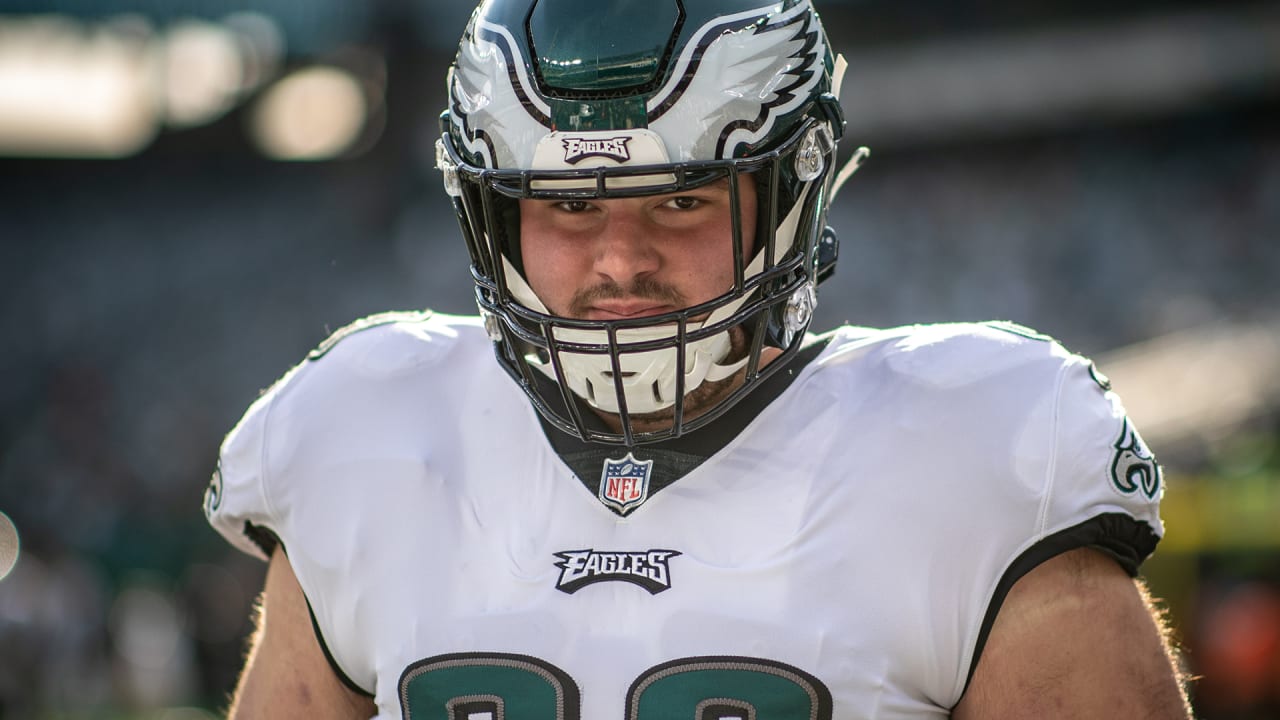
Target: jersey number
pixel 496 686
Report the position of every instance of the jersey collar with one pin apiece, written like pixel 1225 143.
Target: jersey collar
pixel 673 459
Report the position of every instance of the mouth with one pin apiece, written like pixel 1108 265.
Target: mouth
pixel 624 310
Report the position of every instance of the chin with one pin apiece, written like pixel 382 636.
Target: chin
pixel 699 400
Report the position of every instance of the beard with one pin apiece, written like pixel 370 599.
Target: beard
pixel 701 399
pixel 698 400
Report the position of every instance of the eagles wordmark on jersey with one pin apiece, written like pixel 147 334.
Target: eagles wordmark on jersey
pixel 648 569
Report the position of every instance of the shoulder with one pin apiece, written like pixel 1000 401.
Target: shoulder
pixel 1033 419
pixel 388 343
pixel 353 395
pixel 383 366
pixel 991 426
pixel 375 365
pixel 948 355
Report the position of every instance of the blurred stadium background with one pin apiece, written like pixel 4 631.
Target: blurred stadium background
pixel 193 193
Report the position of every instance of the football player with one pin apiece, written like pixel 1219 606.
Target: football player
pixel 667 498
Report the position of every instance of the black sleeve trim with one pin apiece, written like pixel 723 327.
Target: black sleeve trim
pixel 262 537
pixel 329 656
pixel 268 541
pixel 1128 540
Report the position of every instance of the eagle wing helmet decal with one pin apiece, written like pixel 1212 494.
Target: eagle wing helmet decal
pixel 491 89
pixel 732 82
pixel 736 60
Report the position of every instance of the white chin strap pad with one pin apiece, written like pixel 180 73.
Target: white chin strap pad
pixel 649 376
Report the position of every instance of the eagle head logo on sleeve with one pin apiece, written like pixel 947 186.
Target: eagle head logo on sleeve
pixel 1134 467
pixel 213 494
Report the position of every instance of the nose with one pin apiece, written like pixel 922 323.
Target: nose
pixel 625 249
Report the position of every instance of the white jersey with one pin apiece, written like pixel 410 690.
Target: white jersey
pixel 842 557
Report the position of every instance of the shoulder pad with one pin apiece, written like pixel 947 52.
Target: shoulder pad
pixel 955 354
pixel 362 324
pixel 390 343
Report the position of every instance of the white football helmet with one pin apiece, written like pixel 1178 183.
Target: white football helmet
pixel 586 99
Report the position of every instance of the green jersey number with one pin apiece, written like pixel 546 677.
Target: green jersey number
pixel 496 686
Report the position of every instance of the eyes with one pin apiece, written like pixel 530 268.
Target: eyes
pixel 679 203
pixel 689 210
pixel 572 206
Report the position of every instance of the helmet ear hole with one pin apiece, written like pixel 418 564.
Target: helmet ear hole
pixel 828 253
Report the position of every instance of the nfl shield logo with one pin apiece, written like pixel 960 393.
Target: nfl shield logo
pixel 624 484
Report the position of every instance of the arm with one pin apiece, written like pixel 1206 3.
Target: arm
pixel 1076 638
pixel 287 674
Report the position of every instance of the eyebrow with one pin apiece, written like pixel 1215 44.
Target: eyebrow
pixel 721 184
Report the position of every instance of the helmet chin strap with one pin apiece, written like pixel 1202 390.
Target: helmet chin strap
pixel 648 376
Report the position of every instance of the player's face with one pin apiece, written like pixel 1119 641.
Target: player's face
pixel 634 257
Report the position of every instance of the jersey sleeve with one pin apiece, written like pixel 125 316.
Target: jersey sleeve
pixel 308 466
pixel 236 503
pixel 1104 484
pixel 1100 484
pixel 252 497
